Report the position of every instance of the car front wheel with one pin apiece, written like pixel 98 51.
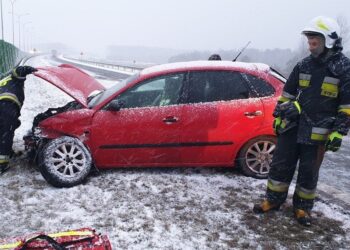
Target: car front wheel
pixel 65 162
pixel 255 156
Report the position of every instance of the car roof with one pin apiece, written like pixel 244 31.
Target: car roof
pixel 200 65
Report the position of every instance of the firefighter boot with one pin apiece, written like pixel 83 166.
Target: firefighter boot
pixel 4 167
pixel 303 217
pixel 265 206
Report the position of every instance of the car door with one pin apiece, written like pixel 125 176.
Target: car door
pixel 145 131
pixel 219 114
pixel 264 90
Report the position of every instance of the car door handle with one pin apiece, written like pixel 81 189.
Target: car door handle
pixel 170 119
pixel 255 113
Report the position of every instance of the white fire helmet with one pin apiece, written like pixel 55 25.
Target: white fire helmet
pixel 325 26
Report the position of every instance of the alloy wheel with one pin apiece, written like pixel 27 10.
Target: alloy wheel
pixel 259 157
pixel 68 160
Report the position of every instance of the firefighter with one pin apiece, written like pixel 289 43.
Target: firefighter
pixel 311 117
pixel 11 101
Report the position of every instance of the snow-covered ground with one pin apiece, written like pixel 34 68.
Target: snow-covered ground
pixel 163 208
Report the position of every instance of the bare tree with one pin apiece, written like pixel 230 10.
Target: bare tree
pixel 344 30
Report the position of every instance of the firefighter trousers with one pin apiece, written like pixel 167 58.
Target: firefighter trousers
pixel 9 113
pixel 284 164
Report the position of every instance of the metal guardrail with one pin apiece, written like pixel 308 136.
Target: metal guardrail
pixel 108 65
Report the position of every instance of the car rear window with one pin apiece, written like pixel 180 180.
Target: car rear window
pixel 260 86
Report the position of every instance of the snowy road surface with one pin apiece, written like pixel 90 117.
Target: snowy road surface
pixel 164 208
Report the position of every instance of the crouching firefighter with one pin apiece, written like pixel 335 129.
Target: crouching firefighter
pixel 311 116
pixel 11 101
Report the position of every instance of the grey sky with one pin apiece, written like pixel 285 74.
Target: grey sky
pixel 180 24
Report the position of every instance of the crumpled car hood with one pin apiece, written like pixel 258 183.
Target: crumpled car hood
pixel 71 80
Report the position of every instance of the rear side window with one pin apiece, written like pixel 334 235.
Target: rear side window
pixel 261 88
pixel 211 86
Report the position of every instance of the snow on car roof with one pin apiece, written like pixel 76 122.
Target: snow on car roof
pixel 204 64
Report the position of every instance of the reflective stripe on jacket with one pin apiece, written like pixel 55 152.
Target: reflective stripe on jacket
pixel 12 89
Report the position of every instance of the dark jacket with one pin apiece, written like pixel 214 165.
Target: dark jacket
pixel 12 89
pixel 322 88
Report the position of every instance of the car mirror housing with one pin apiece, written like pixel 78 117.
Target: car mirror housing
pixel 115 105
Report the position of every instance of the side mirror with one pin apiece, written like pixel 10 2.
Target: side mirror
pixel 115 105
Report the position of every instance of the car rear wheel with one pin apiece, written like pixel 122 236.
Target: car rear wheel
pixel 255 156
pixel 65 162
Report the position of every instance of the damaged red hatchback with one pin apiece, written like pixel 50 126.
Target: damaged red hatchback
pixel 203 113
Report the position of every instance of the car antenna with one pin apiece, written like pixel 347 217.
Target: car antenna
pixel 241 51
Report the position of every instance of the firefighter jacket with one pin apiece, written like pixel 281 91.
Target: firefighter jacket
pixel 12 89
pixel 322 88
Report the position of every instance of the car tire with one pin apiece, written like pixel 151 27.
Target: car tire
pixel 255 156
pixel 65 162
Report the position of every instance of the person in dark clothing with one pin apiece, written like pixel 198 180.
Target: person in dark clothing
pixel 11 101
pixel 311 117
pixel 214 57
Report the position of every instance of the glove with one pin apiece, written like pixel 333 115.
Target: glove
pixel 277 111
pixel 277 122
pixel 291 110
pixel 279 126
pixel 334 141
pixel 22 71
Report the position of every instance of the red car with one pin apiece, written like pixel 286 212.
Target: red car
pixel 202 113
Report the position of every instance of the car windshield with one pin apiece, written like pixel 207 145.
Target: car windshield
pixel 102 96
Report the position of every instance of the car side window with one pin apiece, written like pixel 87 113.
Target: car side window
pixel 159 91
pixel 211 86
pixel 260 86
